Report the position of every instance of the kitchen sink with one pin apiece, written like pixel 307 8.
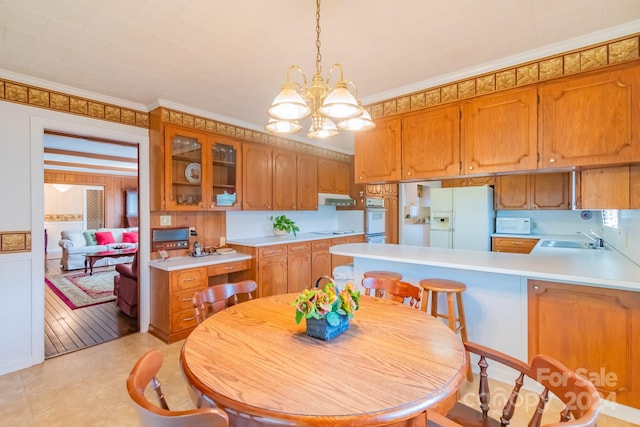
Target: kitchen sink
pixel 570 245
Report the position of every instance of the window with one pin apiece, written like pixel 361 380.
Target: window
pixel 610 218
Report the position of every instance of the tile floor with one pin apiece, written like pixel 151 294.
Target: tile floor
pixel 87 387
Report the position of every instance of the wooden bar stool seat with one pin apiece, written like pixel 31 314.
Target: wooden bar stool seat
pixel 457 323
pixel 383 275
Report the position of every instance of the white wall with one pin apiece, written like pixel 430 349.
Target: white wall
pixel 22 188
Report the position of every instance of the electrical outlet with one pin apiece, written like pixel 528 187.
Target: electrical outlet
pixel 165 219
pixel 192 229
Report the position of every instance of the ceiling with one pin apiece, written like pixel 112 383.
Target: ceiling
pixel 226 60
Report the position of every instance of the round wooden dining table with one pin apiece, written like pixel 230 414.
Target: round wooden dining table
pixel 393 364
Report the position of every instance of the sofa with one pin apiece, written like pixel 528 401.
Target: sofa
pixel 125 287
pixel 76 243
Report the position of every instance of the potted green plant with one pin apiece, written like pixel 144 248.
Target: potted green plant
pixel 283 224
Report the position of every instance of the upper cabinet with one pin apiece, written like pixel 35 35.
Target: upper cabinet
pixel 183 172
pixel 591 120
pixel 257 177
pixel 431 143
pixel 333 176
pixel 499 132
pixel 377 152
pixel 528 192
pixel 224 192
pixel 609 188
pixel 307 182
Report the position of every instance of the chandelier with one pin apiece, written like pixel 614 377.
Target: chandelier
pixel 323 105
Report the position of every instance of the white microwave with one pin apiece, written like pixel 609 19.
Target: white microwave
pixel 513 225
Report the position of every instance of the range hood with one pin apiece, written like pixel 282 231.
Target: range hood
pixel 335 200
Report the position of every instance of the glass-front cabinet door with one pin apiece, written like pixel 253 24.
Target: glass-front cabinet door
pixel 225 163
pixel 183 169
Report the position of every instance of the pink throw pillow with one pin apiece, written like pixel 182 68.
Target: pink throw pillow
pixel 104 237
pixel 130 237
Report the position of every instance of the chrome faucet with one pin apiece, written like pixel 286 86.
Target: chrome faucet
pixel 599 241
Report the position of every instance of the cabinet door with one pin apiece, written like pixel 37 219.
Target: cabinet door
pixel 183 169
pixel 392 221
pixel 341 259
pixel 320 259
pixel 605 188
pixel 285 184
pixel 377 152
pixel 551 191
pixel 257 177
pixel 591 120
pixel 514 245
pixel 223 174
pixel 499 132
pixel 468 182
pixel 599 338
pixel 272 276
pixel 374 190
pixel 326 175
pixel 634 187
pixel 431 143
pixel 512 192
pixel 307 182
pixel 299 271
pixel 342 180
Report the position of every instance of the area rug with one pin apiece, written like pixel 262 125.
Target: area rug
pixel 82 290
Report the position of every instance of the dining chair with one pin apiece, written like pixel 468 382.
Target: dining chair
pixel 217 297
pixel 393 289
pixel 579 396
pixel 149 414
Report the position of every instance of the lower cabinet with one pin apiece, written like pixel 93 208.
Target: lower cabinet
pixel 271 270
pixel 339 259
pixel 594 331
pixel 298 266
pixel 172 317
pixel 320 259
pixel 516 245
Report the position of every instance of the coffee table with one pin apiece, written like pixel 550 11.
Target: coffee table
pixel 91 258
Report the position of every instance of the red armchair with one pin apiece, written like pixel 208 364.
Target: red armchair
pixel 125 287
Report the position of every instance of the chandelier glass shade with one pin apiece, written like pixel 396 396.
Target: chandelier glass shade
pixel 324 105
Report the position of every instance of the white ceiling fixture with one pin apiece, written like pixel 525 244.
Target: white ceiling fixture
pixel 296 102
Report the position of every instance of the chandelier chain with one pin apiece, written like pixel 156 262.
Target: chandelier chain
pixel 318 56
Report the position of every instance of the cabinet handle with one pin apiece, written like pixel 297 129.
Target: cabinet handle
pixel 470 167
pixel 189 318
pixel 552 160
pixel 517 243
pixel 229 268
pixel 361 177
pixel 188 279
pixel 536 287
pixel 409 173
pixel 187 299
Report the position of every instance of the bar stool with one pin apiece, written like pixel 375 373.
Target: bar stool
pixel 450 287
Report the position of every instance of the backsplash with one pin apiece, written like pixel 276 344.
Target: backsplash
pixel 248 224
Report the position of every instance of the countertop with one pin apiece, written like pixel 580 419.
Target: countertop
pixel 180 263
pixel 603 268
pixel 290 238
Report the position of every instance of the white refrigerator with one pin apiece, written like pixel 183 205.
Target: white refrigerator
pixel 462 217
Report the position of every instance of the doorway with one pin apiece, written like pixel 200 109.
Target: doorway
pixel 84 206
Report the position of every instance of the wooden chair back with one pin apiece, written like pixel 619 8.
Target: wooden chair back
pixel 219 297
pixel 579 396
pixel 393 289
pixel 151 415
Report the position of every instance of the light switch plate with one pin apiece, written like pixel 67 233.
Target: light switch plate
pixel 165 219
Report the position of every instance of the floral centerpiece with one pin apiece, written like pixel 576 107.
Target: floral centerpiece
pixel 327 311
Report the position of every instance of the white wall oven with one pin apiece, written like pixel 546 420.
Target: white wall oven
pixel 375 220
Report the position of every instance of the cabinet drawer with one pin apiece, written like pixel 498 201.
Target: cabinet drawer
pixel 294 248
pixel 227 267
pixel 320 245
pixel 515 245
pixel 189 279
pixel 347 239
pixel 182 300
pixel 184 319
pixel 269 251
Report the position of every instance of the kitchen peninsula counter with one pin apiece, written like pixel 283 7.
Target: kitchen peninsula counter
pixel 598 267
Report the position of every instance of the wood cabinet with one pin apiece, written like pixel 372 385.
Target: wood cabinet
pixel 517 245
pixel 271 270
pixel 257 177
pixel 307 182
pixel 285 191
pixel 499 132
pixel 320 259
pixel 468 181
pixel 299 266
pixel 609 188
pixel 340 259
pixel 378 152
pixel 599 339
pixel 590 120
pixel 333 176
pixel 431 143
pixel 197 171
pixel 172 317
pixel 538 191
pixel 389 192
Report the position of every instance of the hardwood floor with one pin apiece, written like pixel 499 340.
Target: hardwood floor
pixel 68 330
